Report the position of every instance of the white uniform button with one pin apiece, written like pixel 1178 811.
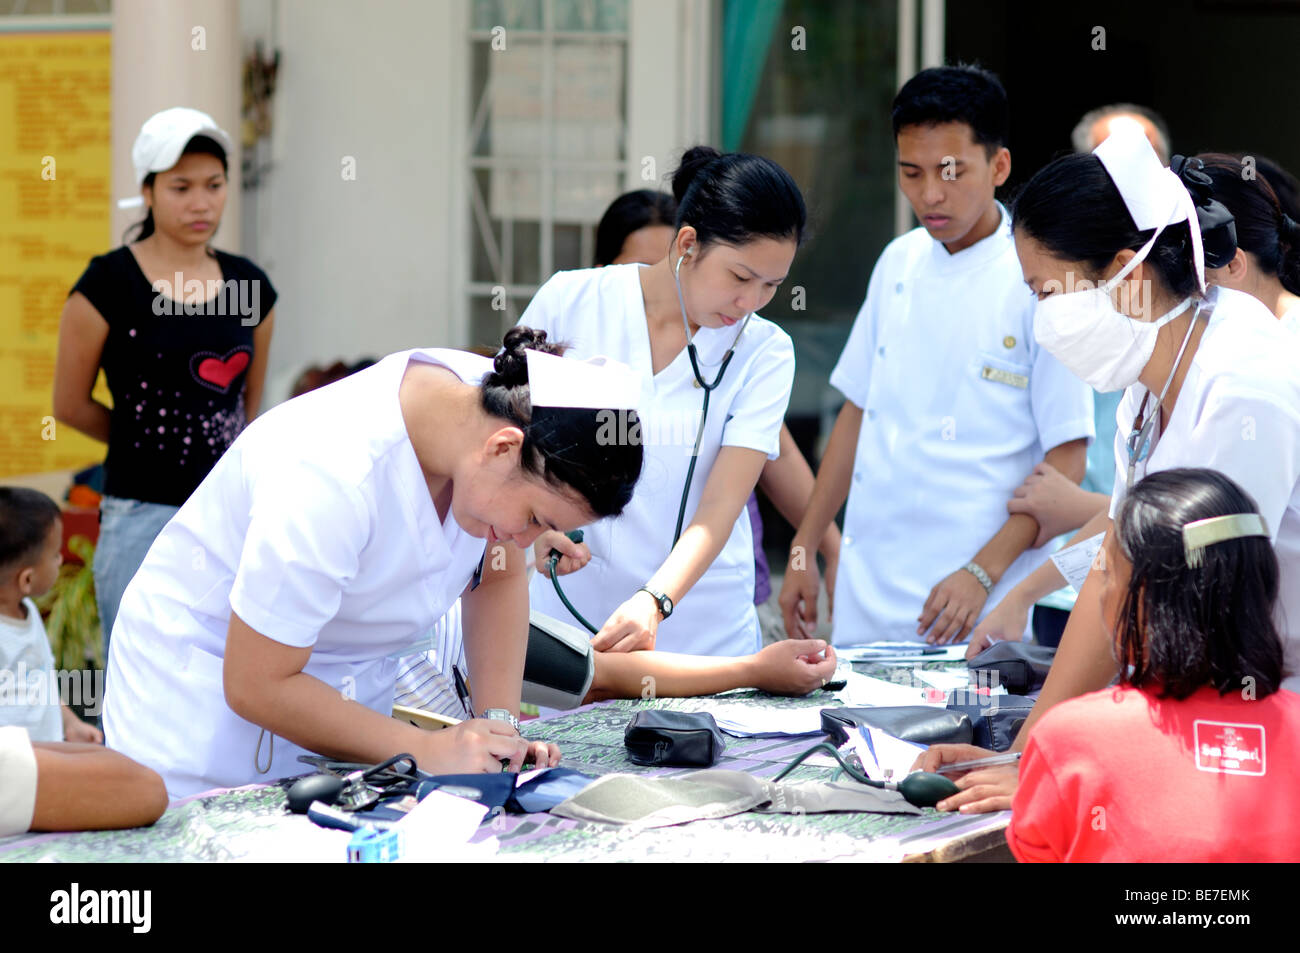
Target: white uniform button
pixel 857 476
pixel 898 288
pixel 881 350
pixel 871 414
pixel 846 540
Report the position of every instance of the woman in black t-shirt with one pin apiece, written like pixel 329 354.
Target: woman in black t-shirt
pixel 182 332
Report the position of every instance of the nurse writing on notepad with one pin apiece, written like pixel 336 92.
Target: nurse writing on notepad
pixel 739 220
pixel 265 620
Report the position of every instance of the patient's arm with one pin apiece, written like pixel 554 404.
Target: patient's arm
pixel 791 667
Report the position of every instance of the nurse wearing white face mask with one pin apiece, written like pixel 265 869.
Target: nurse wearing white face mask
pixel 1212 380
pixel 334 533
pixel 687 324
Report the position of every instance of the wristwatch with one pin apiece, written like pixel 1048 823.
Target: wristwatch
pixel 976 570
pixel 665 604
pixel 501 714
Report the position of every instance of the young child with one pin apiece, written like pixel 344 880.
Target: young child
pixel 1191 756
pixel 950 400
pixel 31 537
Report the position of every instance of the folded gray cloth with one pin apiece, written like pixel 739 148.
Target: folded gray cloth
pixel 633 799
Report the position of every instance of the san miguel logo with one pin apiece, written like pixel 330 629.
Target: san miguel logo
pixel 1229 748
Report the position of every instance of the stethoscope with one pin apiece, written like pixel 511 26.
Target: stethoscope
pixel 1138 442
pixel 708 389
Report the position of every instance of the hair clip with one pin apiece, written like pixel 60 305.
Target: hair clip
pixel 1199 534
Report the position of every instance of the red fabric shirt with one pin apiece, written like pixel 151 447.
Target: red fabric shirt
pixel 1120 775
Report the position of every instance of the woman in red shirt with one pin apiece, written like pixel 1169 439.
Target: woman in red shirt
pixel 1191 757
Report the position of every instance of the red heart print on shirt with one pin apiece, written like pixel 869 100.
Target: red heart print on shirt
pixel 216 372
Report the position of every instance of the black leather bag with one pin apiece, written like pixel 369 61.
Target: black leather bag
pixel 686 738
pixel 1020 666
pixel 919 724
pixel 997 721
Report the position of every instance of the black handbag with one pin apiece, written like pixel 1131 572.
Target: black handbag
pixel 685 738
pixel 1020 666
pixel 919 724
pixel 997 720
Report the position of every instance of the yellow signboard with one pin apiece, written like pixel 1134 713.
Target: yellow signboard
pixel 55 174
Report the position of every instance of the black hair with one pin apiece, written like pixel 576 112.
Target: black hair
pixel 1182 627
pixel 1073 209
pixel 564 446
pixel 631 212
pixel 25 520
pixel 1284 184
pixel 963 93
pixel 1263 229
pixel 734 198
pixel 198 145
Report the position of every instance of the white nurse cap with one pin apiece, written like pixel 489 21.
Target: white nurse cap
pixel 1155 196
pixel 163 138
pixel 598 383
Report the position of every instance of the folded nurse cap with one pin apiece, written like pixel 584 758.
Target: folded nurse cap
pixel 597 383
pixel 163 138
pixel 1155 196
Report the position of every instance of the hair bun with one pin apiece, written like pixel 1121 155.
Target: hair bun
pixel 510 366
pixel 694 160
pixel 1290 230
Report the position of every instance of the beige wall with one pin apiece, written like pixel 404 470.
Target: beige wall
pixel 377 264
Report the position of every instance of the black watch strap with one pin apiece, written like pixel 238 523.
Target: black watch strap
pixel 665 604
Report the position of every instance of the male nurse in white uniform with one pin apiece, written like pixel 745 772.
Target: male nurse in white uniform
pixel 336 530
pixel 950 402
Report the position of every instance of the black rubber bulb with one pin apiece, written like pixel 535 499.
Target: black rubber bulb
pixel 316 787
pixel 924 789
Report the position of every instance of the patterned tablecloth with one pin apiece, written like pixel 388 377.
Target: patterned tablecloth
pixel 253 823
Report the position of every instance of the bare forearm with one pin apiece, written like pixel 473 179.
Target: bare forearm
pixel 87 787
pixel 1016 535
pixel 699 546
pixel 304 710
pixel 496 642
pixel 666 675
pixel 90 418
pixel 788 482
pixel 833 478
pixel 1047 578
pixel 1083 662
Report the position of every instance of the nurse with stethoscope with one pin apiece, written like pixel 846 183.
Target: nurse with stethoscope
pixel 676 570
pixel 1212 380
pixel 328 539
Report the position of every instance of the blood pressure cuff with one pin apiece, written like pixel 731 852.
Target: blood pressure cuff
pixel 558 667
pixel 686 738
pixel 996 722
pixel 640 801
pixel 919 724
pixel 1021 667
pixel 503 791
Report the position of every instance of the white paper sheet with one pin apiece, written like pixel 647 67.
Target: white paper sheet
pixel 440 826
pixel 743 721
pixel 894 757
pixel 1075 561
pixel 901 651
pixel 949 680
pixel 876 692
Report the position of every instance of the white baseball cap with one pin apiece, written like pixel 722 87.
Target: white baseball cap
pixel 163 138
